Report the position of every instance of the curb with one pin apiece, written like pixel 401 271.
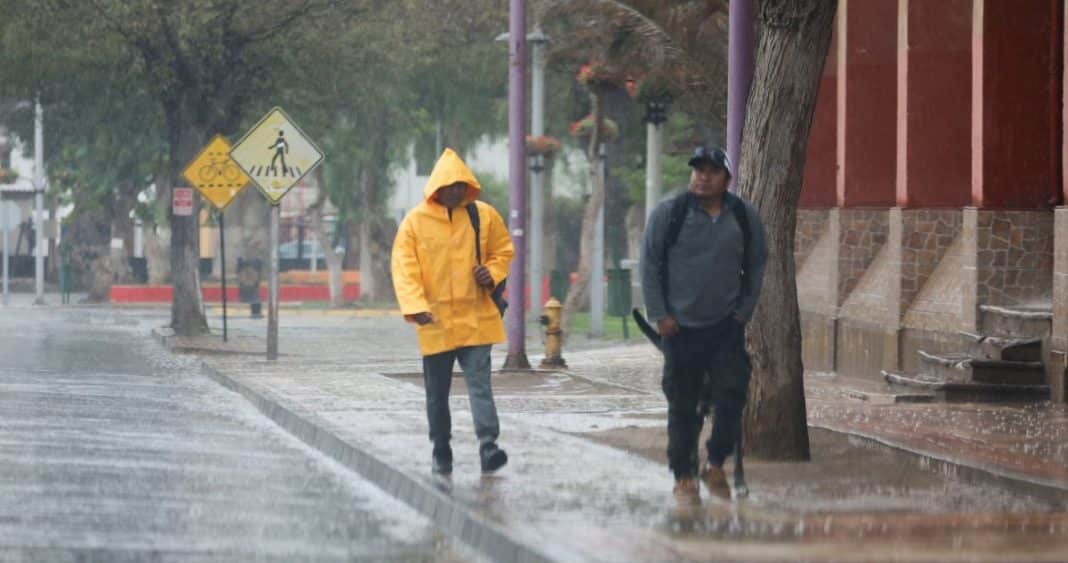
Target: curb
pixel 165 336
pixel 450 516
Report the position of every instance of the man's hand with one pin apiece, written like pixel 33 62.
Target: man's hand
pixel 420 319
pixel 483 277
pixel 668 327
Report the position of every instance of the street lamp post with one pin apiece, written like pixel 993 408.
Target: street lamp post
pixel 739 75
pixel 597 289
pixel 517 183
pixel 655 116
pixel 38 191
pixel 538 169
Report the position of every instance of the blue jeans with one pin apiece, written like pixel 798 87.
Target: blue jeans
pixel 437 379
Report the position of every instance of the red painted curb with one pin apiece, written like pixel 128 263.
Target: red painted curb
pixel 213 294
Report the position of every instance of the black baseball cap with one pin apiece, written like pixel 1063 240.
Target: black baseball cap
pixel 715 156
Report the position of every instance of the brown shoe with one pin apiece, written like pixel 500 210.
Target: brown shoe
pixel 716 482
pixel 686 491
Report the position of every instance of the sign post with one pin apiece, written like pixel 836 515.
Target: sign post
pixel 222 260
pixel 9 215
pixel 219 180
pixel 272 281
pixel 275 154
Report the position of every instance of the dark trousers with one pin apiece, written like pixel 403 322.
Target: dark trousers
pixel 437 379
pixel 705 367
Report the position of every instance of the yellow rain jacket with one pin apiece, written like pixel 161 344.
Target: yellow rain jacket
pixel 434 260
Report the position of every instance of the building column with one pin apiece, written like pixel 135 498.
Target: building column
pixel 1016 83
pixel 867 128
pixel 820 185
pixel 1057 359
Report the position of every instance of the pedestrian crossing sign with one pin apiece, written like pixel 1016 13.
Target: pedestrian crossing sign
pixel 215 175
pixel 276 154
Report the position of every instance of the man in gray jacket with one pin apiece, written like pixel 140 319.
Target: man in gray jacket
pixel 702 265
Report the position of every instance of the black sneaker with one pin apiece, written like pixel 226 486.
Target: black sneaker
pixel 442 461
pixel 493 458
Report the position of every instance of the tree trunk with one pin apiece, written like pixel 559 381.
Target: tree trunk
pixel 576 294
pixel 368 290
pixel 794 40
pixel 375 171
pixel 326 244
pixel 634 223
pixel 333 259
pixel 159 268
pixel 548 244
pixel 187 304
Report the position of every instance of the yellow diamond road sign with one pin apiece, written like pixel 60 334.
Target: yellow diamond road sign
pixel 215 175
pixel 276 154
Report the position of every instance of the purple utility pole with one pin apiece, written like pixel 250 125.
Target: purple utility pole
pixel 739 74
pixel 517 184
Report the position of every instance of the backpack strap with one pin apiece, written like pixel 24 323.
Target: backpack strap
pixel 472 213
pixel 679 207
pixel 677 216
pixel 498 291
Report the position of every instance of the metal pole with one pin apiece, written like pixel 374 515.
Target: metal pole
pixel 597 275
pixel 4 208
pixel 652 167
pixel 537 195
pixel 222 257
pixel 517 183
pixel 38 190
pixel 739 74
pixel 272 298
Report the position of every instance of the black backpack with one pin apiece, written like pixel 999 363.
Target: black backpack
pixel 498 291
pixel 679 206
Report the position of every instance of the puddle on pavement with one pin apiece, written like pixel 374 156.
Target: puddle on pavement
pixel 851 474
pixel 547 384
pixel 875 498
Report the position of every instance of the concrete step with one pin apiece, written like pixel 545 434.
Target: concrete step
pixel 956 392
pixel 877 391
pixel 946 367
pixel 964 368
pixel 999 348
pixel 1016 322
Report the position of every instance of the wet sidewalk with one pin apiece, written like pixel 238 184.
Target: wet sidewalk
pixel 586 479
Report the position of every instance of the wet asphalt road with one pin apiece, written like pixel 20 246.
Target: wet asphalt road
pixel 112 450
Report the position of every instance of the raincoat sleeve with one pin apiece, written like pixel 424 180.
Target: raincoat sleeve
pixel 407 274
pixel 499 248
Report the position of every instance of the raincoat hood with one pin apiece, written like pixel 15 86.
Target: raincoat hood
pixel 450 169
pixel 433 262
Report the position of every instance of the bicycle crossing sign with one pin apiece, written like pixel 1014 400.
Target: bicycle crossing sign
pixel 215 175
pixel 276 154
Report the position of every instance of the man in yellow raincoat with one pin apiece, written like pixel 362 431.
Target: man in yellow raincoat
pixel 443 289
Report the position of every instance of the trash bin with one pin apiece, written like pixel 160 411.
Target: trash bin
pixel 619 292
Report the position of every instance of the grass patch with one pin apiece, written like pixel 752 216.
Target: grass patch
pixel 613 327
